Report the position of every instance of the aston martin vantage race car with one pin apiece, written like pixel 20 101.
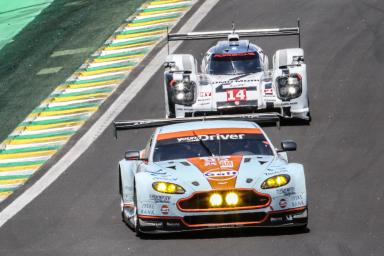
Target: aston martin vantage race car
pixel 210 174
pixel 235 77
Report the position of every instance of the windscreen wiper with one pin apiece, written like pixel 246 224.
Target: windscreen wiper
pixel 203 144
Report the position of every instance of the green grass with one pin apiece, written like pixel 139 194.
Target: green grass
pixel 65 24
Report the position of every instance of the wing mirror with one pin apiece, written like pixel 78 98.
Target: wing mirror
pixel 288 145
pixel 132 155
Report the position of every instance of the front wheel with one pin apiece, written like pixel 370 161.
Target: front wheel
pixel 135 218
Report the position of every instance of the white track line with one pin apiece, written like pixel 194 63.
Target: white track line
pixel 104 121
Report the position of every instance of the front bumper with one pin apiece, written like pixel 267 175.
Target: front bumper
pixel 285 218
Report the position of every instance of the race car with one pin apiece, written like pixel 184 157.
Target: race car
pixel 210 174
pixel 235 77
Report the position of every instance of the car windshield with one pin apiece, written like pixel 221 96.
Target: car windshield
pixel 204 144
pixel 234 63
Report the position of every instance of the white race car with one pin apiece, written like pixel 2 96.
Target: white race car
pixel 235 77
pixel 210 174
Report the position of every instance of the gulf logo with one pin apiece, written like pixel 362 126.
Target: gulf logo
pixel 220 175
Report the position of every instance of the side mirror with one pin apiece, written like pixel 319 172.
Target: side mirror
pixel 288 145
pixel 132 155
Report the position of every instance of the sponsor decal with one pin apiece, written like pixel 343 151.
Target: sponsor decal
pixel 282 203
pixel 275 171
pixel 173 224
pixel 157 172
pixel 147 206
pixel 160 198
pixel 240 86
pixel 297 197
pixel 212 137
pixel 268 88
pixel 220 175
pixel 288 103
pixel 205 94
pixel 222 162
pixel 236 95
pixel 286 191
pixel 210 161
pixel 221 172
pixel 147 211
pixel 223 55
pixel 298 201
pixel 164 209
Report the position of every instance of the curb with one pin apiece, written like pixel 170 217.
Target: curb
pixel 50 125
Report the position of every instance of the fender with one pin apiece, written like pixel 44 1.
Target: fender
pixel 127 171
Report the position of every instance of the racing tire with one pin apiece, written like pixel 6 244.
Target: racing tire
pixel 136 220
pixel 122 210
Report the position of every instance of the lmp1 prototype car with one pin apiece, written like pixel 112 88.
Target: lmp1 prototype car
pixel 235 77
pixel 210 174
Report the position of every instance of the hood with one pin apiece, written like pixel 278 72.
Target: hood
pixel 222 172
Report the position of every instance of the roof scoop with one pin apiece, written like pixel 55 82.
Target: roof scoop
pixel 233 39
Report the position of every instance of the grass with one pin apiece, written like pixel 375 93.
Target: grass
pixel 64 25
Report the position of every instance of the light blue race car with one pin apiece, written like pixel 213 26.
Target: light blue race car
pixel 209 174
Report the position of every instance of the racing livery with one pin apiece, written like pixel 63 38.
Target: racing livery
pixel 211 174
pixel 235 77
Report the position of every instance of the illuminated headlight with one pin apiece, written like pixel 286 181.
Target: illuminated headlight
pixel 292 90
pixel 232 199
pixel 276 181
pixel 180 96
pixel 216 200
pixel 290 87
pixel 180 86
pixel 183 92
pixel 168 188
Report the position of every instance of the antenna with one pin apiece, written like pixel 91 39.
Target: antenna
pixel 233 27
pixel 299 34
pixel 168 39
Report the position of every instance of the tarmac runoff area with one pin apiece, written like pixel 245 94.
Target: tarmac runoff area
pixel 68 107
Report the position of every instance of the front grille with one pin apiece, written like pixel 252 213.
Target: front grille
pixel 240 218
pixel 248 199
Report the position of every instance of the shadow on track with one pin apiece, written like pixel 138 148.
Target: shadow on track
pixel 226 233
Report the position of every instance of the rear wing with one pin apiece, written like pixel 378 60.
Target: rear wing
pixel 260 118
pixel 290 31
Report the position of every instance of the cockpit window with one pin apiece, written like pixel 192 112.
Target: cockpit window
pixel 211 143
pixel 234 63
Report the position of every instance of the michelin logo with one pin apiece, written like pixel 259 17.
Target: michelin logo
pixel 212 137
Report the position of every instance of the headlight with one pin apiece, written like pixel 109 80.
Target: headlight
pixel 232 199
pixel 276 181
pixel 183 92
pixel 180 96
pixel 168 188
pixel 216 200
pixel 290 87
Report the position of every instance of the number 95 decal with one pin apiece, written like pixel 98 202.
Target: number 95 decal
pixel 236 95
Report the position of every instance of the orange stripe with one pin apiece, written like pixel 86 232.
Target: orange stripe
pixel 227 169
pixel 173 135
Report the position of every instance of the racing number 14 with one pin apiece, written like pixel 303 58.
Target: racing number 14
pixel 236 95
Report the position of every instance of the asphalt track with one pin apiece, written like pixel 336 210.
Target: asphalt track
pixel 342 150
